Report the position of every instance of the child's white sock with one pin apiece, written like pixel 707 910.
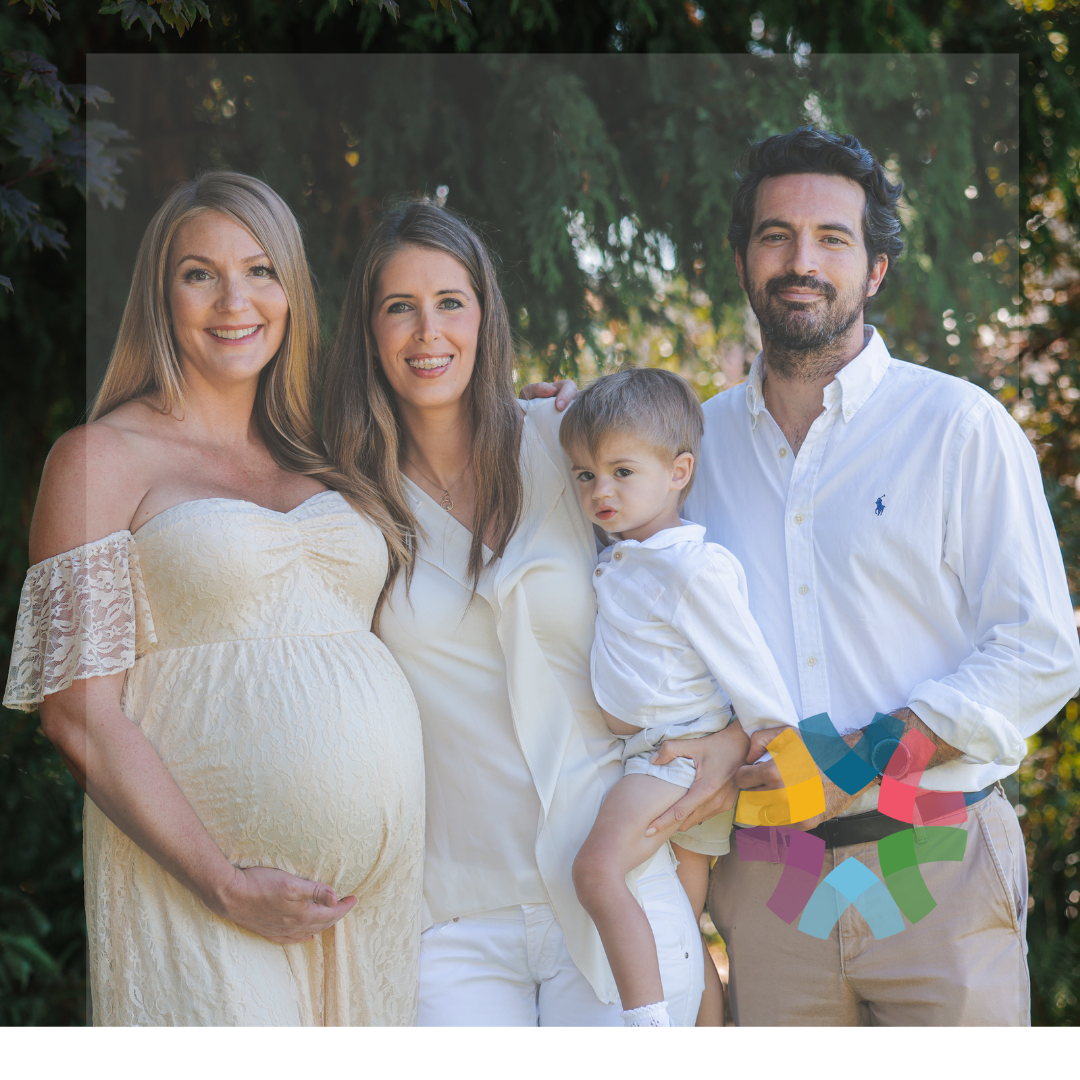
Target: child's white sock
pixel 654 1015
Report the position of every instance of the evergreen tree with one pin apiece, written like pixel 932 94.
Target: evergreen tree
pixel 606 194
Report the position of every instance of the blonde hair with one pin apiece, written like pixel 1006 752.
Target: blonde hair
pixel 360 416
pixel 145 361
pixel 656 406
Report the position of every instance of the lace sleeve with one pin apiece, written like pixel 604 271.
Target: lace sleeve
pixel 82 613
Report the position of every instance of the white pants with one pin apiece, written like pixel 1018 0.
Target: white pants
pixel 510 968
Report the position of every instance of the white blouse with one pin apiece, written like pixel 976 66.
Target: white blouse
pixel 517 755
pixel 449 649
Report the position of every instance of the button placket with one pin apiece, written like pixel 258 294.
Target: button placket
pixel 781 451
pixel 799 544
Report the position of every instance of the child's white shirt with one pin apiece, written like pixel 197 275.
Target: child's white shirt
pixel 675 639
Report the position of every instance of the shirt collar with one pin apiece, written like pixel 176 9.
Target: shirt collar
pixel 687 532
pixel 852 387
pixel 755 399
pixel 859 379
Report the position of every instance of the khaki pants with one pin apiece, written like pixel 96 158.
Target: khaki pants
pixel 963 964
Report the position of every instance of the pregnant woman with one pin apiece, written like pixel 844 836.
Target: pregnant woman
pixel 492 622
pixel 196 631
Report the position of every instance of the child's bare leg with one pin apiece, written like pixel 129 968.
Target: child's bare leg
pixel 615 846
pixel 694 875
pixel 711 1012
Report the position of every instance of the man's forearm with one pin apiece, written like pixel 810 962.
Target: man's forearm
pixel 943 751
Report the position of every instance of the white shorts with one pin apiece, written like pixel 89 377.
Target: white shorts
pixel 510 967
pixel 712 837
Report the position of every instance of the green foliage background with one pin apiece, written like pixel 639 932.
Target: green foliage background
pixel 622 163
pixel 635 153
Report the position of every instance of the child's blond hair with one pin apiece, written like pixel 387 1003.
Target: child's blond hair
pixel 656 406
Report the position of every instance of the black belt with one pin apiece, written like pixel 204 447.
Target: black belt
pixel 873 825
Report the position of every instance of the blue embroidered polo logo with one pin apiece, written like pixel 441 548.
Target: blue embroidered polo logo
pixel 880 507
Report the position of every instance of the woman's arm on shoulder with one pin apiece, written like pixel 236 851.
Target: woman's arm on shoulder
pixel 545 419
pixel 563 390
pixel 544 409
pixel 91 486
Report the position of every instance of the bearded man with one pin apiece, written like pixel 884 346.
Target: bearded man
pixel 900 558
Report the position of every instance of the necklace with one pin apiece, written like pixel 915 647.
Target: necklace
pixel 447 500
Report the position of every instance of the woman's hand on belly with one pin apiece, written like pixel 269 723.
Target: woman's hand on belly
pixel 280 906
pixel 717 758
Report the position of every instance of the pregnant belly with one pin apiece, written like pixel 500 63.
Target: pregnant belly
pixel 299 753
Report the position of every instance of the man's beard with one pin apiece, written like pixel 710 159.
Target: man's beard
pixel 804 343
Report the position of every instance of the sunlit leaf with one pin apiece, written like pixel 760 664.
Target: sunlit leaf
pixel 103 161
pixel 43 6
pixel 133 11
pixel 15 206
pixel 32 135
pixel 36 73
pixel 92 95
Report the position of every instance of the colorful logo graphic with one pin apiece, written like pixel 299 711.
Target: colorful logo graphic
pixel 903 799
pixel 802 855
pixel 851 883
pixel 883 750
pixel 902 854
pixel 852 768
pixel 802 795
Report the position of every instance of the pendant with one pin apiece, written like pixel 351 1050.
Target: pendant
pixel 447 502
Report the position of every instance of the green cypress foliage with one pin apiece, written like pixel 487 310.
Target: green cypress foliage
pixel 604 183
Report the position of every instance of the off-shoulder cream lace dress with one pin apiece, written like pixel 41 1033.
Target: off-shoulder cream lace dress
pixel 289 727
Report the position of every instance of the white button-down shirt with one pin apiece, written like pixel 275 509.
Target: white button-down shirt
pixel 675 639
pixel 906 556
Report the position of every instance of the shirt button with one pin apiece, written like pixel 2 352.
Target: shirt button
pixel 618 554
pixel 811 661
pixel 598 571
pixel 804 589
pixel 783 451
pixel 847 412
pixel 798 519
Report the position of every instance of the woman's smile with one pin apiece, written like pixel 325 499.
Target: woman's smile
pixel 426 321
pixel 428 366
pixel 218 270
pixel 234 335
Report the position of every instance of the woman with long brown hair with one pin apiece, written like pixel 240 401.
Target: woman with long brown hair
pixel 491 617
pixel 196 632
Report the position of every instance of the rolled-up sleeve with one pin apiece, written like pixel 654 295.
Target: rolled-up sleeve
pixel 1001 545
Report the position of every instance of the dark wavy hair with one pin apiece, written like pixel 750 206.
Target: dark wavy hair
pixel 361 423
pixel 808 150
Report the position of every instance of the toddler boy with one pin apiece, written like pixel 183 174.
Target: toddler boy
pixel 676 655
